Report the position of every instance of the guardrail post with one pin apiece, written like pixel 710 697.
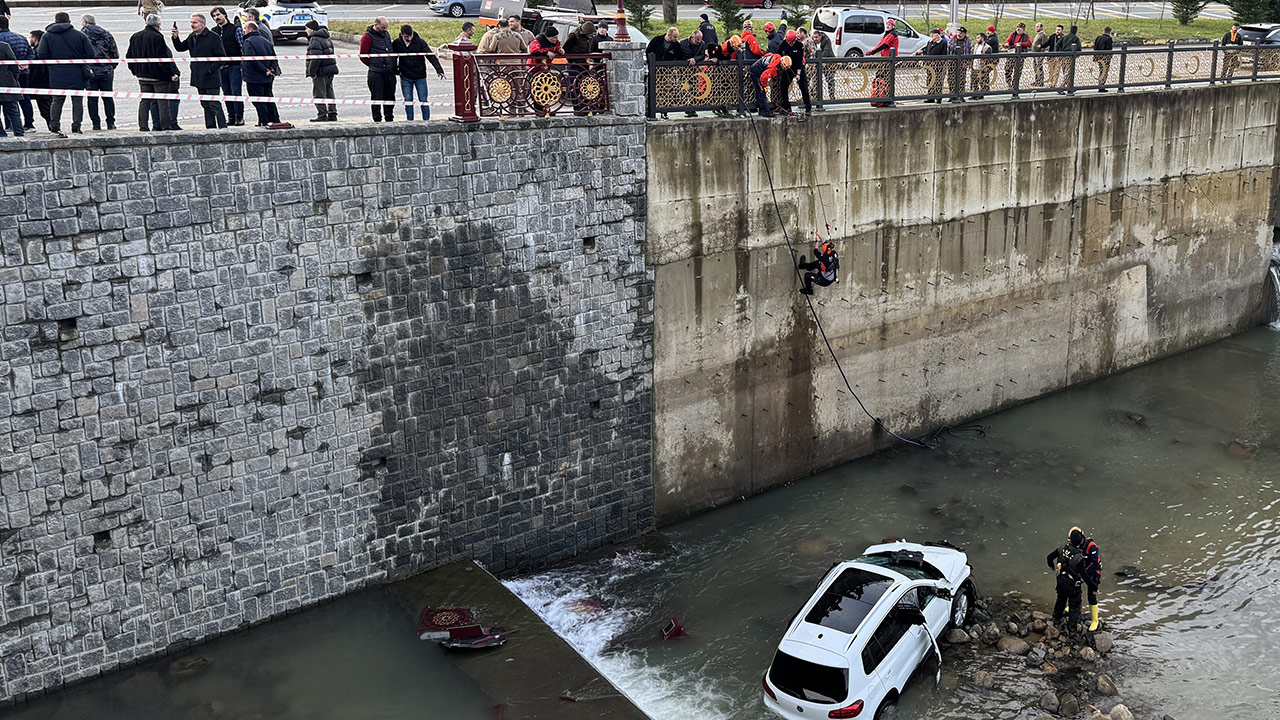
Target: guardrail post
pixel 651 88
pixel 1124 63
pixel 1257 52
pixel 1168 77
pixel 1071 72
pixel 466 83
pixel 821 81
pixel 1213 63
pixel 892 90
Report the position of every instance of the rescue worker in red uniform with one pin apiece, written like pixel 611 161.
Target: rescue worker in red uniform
pixel 1079 561
pixel 826 262
pixel 888 46
pixel 762 71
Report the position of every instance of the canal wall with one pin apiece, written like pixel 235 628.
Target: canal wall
pixel 243 376
pixel 990 253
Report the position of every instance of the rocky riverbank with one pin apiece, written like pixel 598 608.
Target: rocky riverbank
pixel 1063 673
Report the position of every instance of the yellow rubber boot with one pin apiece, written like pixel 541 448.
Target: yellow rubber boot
pixel 1093 613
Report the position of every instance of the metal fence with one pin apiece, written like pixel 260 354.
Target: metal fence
pixel 834 82
pixel 515 85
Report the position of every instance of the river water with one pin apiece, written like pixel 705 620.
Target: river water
pixel 1171 467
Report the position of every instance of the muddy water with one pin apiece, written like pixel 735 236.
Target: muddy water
pixel 354 658
pixel 1171 467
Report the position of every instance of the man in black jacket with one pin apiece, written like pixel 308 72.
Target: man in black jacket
pixel 229 76
pixel 321 71
pixel 63 42
pixel 12 116
pixel 708 31
pixel 935 70
pixel 1103 44
pixel 793 47
pixel 413 70
pixel 382 71
pixel 154 77
pixel 102 75
pixel 205 76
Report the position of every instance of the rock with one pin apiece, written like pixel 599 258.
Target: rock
pixel 1088 654
pixel 956 636
pixel 1039 626
pixel 990 634
pixel 1012 628
pixel 1120 712
pixel 1068 705
pixel 1241 450
pixel 1078 469
pixel 1038 615
pixel 189 666
pixel 1049 702
pixel 1014 645
pixel 983 679
pixel 1035 658
pixel 1167 717
pixel 1049 669
pixel 1103 642
pixel 1106 685
pixel 1051 632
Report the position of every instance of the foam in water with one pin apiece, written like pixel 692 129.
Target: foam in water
pixel 584 606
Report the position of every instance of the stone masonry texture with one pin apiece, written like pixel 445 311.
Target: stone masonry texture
pixel 241 376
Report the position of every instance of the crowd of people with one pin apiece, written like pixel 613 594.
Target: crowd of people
pixel 785 55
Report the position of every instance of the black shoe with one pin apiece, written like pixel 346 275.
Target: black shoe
pixel 806 291
pixel 333 117
pixel 29 128
pixel 322 118
pixel 97 127
pixel 174 127
pixel 75 130
pixel 111 125
pixel 1102 89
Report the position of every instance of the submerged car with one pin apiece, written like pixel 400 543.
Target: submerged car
pixel 872 621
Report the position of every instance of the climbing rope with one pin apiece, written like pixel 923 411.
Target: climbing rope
pixel 809 298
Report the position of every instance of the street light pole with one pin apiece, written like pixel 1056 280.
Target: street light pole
pixel 621 34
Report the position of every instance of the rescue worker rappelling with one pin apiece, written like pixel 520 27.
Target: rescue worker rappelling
pixel 762 71
pixel 825 261
pixel 1078 561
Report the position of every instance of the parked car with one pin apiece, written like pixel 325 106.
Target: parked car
pixel 766 4
pixel 856 30
pixel 455 8
pixel 288 20
pixel 536 20
pixel 1260 33
pixel 852 647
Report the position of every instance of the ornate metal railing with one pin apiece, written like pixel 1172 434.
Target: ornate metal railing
pixel 520 85
pixel 832 82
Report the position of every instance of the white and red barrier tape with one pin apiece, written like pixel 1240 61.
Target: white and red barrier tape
pixel 226 59
pixel 216 98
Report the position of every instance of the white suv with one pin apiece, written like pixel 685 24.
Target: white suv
pixel 852 647
pixel 856 30
pixel 288 18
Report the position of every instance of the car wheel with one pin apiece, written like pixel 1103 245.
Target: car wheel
pixel 961 604
pixel 455 10
pixel 889 700
pixel 766 4
pixel 853 52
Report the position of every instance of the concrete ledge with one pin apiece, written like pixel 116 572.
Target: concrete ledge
pixel 534 668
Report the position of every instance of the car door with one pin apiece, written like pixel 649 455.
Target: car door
pixel 895 648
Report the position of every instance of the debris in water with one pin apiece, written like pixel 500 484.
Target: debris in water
pixel 1241 450
pixel 673 630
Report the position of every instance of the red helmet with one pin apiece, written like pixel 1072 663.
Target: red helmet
pixel 769 27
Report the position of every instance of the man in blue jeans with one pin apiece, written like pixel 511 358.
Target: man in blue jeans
pixel 229 74
pixel 413 70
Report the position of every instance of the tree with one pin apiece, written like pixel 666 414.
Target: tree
pixel 640 14
pixel 798 14
pixel 669 12
pixel 730 15
pixel 1253 11
pixel 1184 11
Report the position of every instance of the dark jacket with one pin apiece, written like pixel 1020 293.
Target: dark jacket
pixel 661 50
pixel 597 39
pixel 1069 43
pixel 206 44
pixel 149 43
pixel 255 71
pixel 709 34
pixel 578 42
pixel 230 43
pixel 795 51
pixel 774 40
pixel 692 51
pixel 936 48
pixel 63 42
pixel 320 44
pixel 378 42
pixel 8 73
pixel 414 68
pixel 1103 43
pixel 104 46
pixel 19 45
pixel 1226 38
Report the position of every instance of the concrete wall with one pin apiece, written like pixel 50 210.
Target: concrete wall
pixel 242 376
pixel 990 254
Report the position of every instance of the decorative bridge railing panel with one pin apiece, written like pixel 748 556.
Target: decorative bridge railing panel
pixel 516 85
pixel 833 82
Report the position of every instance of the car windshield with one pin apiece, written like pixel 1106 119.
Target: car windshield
pixel 826 20
pixel 807 680
pixel 914 568
pixel 847 601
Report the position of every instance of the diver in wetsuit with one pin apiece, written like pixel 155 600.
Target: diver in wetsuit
pixel 1079 561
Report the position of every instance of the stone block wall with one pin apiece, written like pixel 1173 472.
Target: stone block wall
pixel 241 376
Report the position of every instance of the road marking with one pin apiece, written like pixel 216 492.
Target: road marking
pixel 386 8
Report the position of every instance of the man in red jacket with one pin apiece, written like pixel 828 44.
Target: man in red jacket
pixel 1018 42
pixel 762 71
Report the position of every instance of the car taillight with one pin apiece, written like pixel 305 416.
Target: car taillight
pixel 838 31
pixel 847 711
pixel 765 681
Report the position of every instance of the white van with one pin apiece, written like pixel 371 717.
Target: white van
pixel 856 30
